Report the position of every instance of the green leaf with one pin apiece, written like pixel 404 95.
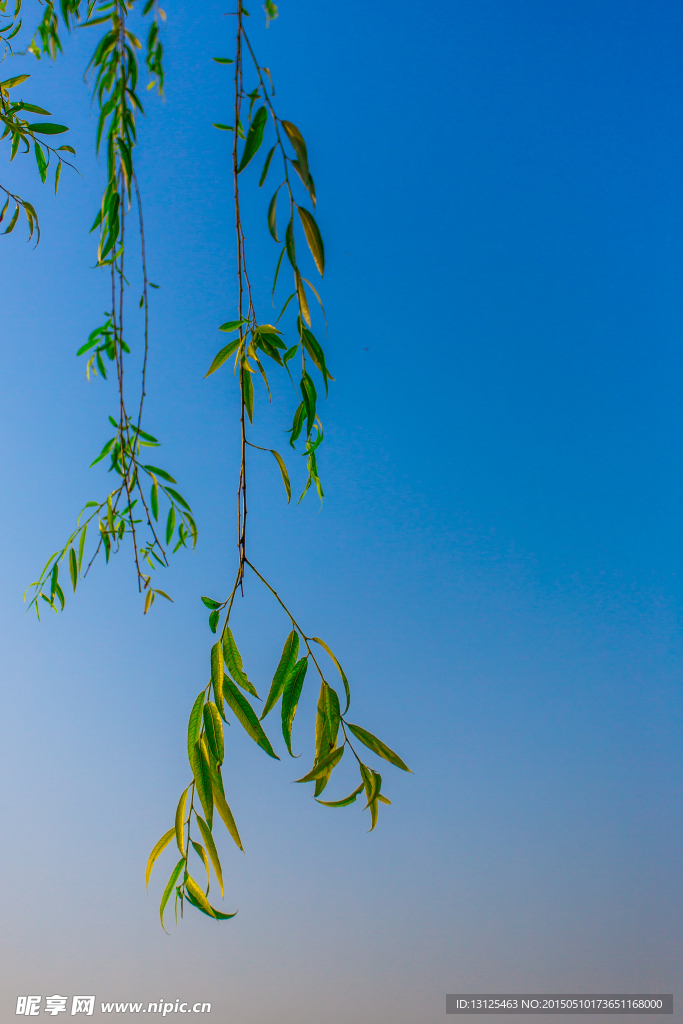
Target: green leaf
pixel 105 451
pixel 232 325
pixel 48 129
pixel 81 546
pixel 339 668
pixel 160 472
pixel 213 852
pixel 170 524
pixel 210 603
pixel 296 139
pixel 202 778
pixel 198 897
pixel 272 215
pixel 195 724
pixel 203 904
pixel 286 663
pixel 283 471
pixel 221 806
pixel 246 715
pixel 248 393
pixel 11 83
pixel 290 699
pixel 233 659
pixel 313 237
pixel 213 620
pixel 264 173
pixel 154 500
pixel 325 766
pixel 289 243
pixel 213 729
pixel 178 497
pixel 351 799
pixel 179 827
pixel 377 747
pixel 201 853
pixel 221 356
pixel 169 888
pixel 254 137
pixel 328 718
pixel 73 568
pixel 158 849
pixel 310 398
pixel 217 672
pixel 41 161
pixel 224 60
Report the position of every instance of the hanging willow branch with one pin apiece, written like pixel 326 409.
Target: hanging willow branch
pixel 21 134
pixel 128 507
pixel 253 340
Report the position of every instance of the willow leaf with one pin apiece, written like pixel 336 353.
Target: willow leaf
pixel 286 663
pixel 254 138
pixel 339 669
pixel 221 805
pixel 179 827
pixel 233 659
pixel 377 747
pixel 169 888
pixel 213 852
pixel 213 729
pixel 290 699
pixel 313 237
pixel 247 716
pixel 202 778
pixel 221 356
pixel 194 725
pixel 158 849
pixel 217 672
pixel 350 799
pixel 324 766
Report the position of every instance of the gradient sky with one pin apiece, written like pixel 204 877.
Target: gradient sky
pixel 498 563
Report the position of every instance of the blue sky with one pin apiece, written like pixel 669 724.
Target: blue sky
pixel 497 564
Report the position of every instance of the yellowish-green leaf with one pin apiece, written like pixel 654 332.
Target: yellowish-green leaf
pixel 180 822
pixel 325 765
pixel 158 849
pixel 287 662
pixel 377 747
pixel 313 237
pixel 246 715
pixel 213 852
pixel 169 888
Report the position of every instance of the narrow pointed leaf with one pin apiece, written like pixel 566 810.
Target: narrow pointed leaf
pixel 169 888
pixel 213 728
pixel 221 806
pixel 286 663
pixel 233 659
pixel 212 851
pixel 195 724
pixel 350 799
pixel 202 778
pixel 221 356
pixel 254 138
pixel 158 849
pixel 339 669
pixel 290 699
pixel 247 716
pixel 377 747
pixel 179 828
pixel 217 672
pixel 313 237
pixel 324 766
